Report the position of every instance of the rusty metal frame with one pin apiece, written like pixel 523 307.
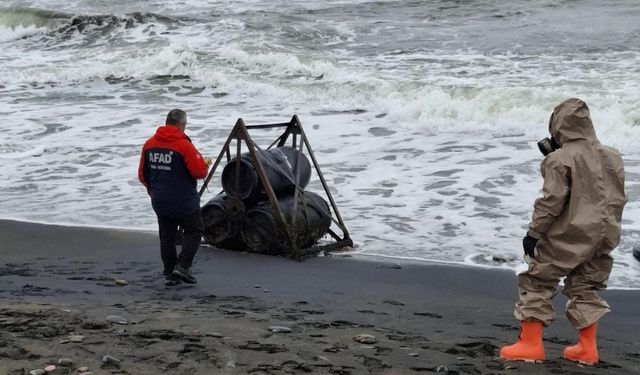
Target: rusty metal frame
pixel 293 129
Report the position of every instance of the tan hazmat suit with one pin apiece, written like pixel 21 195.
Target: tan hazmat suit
pixel 577 222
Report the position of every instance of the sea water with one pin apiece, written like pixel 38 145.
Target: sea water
pixel 424 116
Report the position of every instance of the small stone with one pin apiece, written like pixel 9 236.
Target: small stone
pixel 110 359
pixel 365 339
pixel 460 358
pixel 83 369
pixel 257 286
pixel 65 362
pixel 50 368
pixel 121 282
pixel 442 368
pixel 279 329
pixel 231 364
pixel 414 355
pixel 76 338
pixel 214 334
pixel 87 373
pixel 37 372
pixel 116 319
pixel 266 290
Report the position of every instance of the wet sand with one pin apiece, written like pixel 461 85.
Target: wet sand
pixel 57 288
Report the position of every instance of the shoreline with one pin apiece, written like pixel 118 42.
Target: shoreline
pixel 56 281
pixel 356 254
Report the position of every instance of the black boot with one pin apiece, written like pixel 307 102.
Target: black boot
pixel 170 279
pixel 184 274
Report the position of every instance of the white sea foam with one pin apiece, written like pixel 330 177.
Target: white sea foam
pixel 13 33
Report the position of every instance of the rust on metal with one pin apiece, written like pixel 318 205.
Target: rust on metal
pixel 294 131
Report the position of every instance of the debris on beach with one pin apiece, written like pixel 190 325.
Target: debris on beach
pixel 117 319
pixel 279 329
pixel 121 282
pixel 243 218
pixel 73 339
pixel 364 338
pixel 264 207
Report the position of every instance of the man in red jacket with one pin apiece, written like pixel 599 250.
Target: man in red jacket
pixel 169 168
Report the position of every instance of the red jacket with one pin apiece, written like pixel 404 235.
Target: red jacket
pixel 169 167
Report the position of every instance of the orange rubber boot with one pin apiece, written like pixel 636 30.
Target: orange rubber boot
pixel 586 350
pixel 529 347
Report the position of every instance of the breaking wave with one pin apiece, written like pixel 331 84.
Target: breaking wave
pixel 31 17
pixel 18 23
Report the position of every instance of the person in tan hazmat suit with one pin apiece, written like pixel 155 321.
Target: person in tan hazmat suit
pixel 575 226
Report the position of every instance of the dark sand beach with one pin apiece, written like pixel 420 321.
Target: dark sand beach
pixel 57 288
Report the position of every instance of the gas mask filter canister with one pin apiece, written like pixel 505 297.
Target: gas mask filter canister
pixel 547 146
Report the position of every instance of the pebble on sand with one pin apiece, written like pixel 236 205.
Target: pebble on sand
pixel 83 369
pixel 65 362
pixel 279 329
pixel 76 338
pixel 364 338
pixel 121 282
pixel 110 359
pixel 37 372
pixel 116 319
pixel 72 338
pixel 50 368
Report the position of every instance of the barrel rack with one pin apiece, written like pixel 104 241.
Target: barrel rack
pixel 292 130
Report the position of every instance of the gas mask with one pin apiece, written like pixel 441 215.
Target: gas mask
pixel 548 145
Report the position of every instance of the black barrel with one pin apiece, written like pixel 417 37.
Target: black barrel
pixel 222 219
pixel 280 168
pixel 262 233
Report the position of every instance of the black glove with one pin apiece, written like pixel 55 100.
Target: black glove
pixel 529 245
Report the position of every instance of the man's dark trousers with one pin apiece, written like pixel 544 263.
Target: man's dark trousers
pixel 168 227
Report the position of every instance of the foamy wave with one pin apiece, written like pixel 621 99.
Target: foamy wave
pixel 276 64
pixel 27 17
pixel 18 32
pixel 169 60
pixel 512 111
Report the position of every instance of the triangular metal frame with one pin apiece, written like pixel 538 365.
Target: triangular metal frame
pixel 293 129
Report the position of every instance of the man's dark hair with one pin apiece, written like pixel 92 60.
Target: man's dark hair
pixel 176 116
